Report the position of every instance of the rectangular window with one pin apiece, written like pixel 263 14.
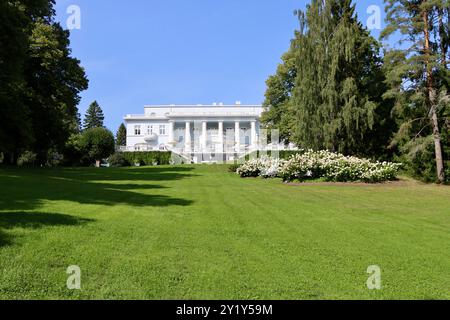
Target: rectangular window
pixel 162 130
pixel 149 130
pixel 137 130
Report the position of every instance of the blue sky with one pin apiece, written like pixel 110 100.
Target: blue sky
pixel 176 51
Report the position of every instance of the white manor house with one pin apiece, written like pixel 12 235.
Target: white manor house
pixel 199 133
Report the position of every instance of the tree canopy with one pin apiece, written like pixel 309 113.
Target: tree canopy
pixel 40 81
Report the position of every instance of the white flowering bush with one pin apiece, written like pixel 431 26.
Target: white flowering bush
pixel 249 169
pixel 325 165
pixel 270 167
pixel 265 167
pixel 335 167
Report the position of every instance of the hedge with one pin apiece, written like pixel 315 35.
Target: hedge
pixel 148 158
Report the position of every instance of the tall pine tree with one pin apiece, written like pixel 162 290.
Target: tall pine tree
pixel 418 76
pixel 94 117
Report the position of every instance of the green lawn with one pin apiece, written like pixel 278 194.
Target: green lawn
pixel 199 232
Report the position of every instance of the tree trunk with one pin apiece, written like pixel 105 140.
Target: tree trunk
pixel 97 163
pixel 12 159
pixel 438 146
pixel 433 112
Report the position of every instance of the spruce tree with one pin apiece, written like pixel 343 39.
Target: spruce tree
pixel 121 137
pixel 94 117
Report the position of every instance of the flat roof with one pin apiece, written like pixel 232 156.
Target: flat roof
pixel 202 105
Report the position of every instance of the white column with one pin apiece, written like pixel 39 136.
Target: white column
pixel 187 138
pixel 254 141
pixel 204 135
pixel 237 136
pixel 171 133
pixel 221 141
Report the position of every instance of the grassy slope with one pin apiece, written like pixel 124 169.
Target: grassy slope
pixel 201 232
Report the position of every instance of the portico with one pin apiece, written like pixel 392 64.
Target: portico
pixel 213 135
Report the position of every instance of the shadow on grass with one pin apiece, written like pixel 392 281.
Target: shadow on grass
pixel 28 189
pixel 5 240
pixel 127 174
pixel 34 220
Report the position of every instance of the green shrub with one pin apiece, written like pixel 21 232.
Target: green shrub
pixel 233 168
pixel 139 163
pixel 283 154
pixel 148 158
pixel 419 158
pixel 287 154
pixel 118 160
pixel 27 159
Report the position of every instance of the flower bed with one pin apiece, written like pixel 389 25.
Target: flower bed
pixel 310 165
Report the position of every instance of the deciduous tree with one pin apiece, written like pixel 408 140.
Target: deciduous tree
pixel 39 80
pixel 327 93
pixel 97 143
